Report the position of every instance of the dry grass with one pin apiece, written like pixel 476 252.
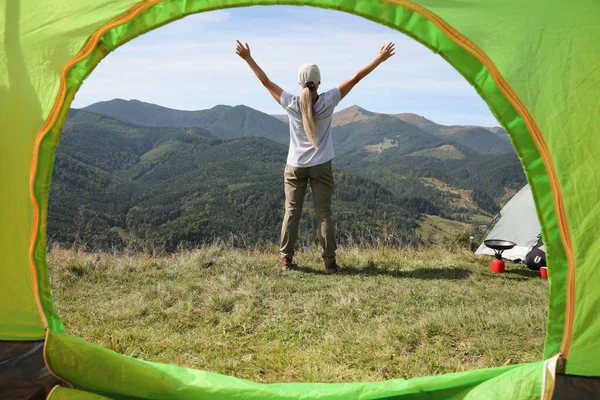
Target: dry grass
pixel 392 313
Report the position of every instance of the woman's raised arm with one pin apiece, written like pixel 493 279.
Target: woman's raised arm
pixel 244 52
pixel 385 52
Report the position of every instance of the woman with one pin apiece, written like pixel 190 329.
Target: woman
pixel 311 150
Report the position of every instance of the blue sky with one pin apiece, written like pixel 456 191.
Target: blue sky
pixel 190 64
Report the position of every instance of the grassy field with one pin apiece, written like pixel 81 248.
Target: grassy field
pixel 436 229
pixel 392 313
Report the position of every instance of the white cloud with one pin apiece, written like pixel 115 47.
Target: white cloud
pixel 191 64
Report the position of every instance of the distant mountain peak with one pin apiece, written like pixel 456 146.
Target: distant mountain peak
pixel 351 114
pixel 416 119
pixel 135 101
pixel 221 107
pixel 245 108
pixel 357 108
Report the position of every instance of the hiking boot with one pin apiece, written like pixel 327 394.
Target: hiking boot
pixel 286 263
pixel 331 267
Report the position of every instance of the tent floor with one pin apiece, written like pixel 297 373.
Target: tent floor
pixel 576 387
pixel 23 372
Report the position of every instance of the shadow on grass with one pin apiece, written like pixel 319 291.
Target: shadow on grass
pixel 419 273
pixel 522 274
pixel 526 272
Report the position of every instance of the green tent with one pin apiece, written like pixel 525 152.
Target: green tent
pixel 537 65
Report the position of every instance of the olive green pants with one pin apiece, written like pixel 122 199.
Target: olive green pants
pixel 321 185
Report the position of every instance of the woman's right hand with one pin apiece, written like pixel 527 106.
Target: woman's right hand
pixel 386 51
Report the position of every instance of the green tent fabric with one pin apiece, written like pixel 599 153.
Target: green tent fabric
pixel 102 371
pixel 535 63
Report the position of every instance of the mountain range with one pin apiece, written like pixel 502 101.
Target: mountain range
pixel 223 121
pixel 138 175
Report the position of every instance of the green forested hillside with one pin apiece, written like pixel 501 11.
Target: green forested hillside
pixel 121 185
pixel 403 138
pixel 121 182
pixel 483 140
pixel 398 155
pixel 477 138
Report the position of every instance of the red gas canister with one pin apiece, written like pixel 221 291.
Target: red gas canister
pixel 497 266
pixel 498 245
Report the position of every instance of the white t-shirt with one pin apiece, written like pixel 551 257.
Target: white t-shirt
pixel 302 153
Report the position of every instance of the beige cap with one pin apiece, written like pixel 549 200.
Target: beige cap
pixel 308 73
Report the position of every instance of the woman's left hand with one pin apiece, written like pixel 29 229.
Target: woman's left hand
pixel 242 51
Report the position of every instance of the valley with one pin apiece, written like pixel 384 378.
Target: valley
pixel 130 174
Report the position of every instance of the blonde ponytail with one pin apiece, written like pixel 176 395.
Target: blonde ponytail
pixel 308 116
